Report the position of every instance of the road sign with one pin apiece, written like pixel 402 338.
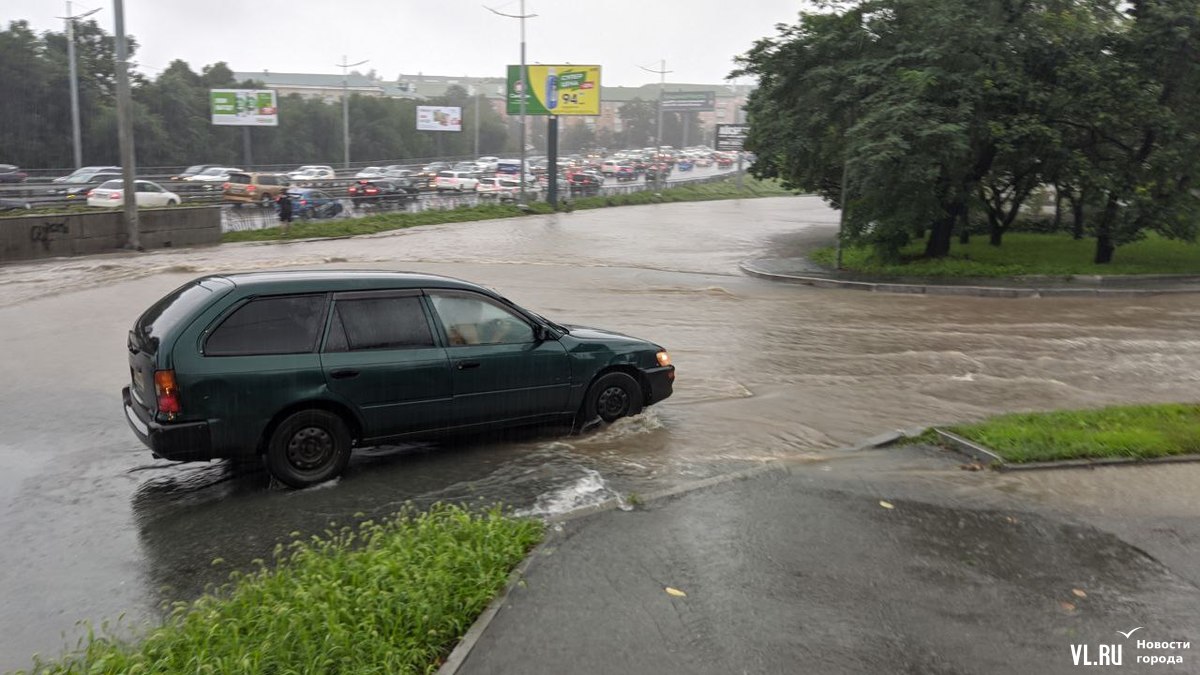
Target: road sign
pixel 244 107
pixel 555 90
pixel 689 101
pixel 731 136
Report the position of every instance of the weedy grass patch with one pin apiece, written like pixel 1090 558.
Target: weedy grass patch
pixel 1141 431
pixel 392 596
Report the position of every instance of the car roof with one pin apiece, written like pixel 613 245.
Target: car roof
pixel 292 281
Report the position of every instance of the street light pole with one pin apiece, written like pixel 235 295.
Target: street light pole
pixel 125 129
pixel 524 86
pixel 76 136
pixel 346 110
pixel 662 87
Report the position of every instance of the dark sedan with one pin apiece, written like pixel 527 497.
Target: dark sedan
pixel 12 174
pixel 383 190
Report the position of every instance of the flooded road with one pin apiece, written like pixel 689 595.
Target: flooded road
pixel 94 527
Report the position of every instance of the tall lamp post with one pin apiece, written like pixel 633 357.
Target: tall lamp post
pixel 125 128
pixel 662 87
pixel 524 85
pixel 76 135
pixel 346 110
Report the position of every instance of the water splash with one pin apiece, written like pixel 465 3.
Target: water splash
pixel 589 490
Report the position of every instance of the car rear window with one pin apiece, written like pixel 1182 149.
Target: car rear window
pixel 111 185
pixel 174 312
pixel 272 325
pixel 446 174
pixel 241 178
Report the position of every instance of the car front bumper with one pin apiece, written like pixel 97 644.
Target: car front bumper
pixel 661 381
pixel 181 442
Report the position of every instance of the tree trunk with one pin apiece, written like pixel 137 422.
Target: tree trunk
pixel 964 226
pixel 997 235
pixel 1058 199
pixel 1077 227
pixel 938 244
pixel 1104 241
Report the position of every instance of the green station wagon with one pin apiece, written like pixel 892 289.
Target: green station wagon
pixel 302 366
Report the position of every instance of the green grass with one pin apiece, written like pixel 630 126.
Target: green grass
pixel 387 597
pixel 1026 254
pixel 1142 431
pixel 395 221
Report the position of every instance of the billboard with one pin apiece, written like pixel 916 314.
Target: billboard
pixel 244 107
pixel 439 118
pixel 555 90
pixel 689 101
pixel 731 136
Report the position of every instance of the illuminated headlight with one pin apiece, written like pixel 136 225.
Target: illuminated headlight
pixel 664 359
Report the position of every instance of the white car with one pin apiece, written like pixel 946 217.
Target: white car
pixel 503 189
pixel 112 194
pixel 217 174
pixel 370 172
pixel 488 164
pixel 312 172
pixel 459 181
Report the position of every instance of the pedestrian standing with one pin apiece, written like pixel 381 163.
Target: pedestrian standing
pixel 285 211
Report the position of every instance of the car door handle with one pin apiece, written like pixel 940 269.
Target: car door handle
pixel 464 365
pixel 343 374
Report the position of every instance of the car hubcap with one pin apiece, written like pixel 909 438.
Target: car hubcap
pixel 613 403
pixel 310 448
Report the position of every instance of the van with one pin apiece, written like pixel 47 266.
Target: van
pixel 254 188
pixel 458 181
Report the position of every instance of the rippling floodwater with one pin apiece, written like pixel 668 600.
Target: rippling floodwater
pixel 766 371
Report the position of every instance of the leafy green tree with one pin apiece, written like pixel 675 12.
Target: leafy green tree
pixel 639 122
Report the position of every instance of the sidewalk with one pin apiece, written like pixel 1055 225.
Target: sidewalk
pixel 801 270
pixel 803 569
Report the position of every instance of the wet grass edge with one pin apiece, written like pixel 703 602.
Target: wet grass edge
pixel 390 596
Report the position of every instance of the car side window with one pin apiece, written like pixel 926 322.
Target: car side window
pixel 378 323
pixel 473 320
pixel 273 325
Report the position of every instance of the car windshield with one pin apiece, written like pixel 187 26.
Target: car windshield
pixel 212 172
pixel 197 168
pixel 76 179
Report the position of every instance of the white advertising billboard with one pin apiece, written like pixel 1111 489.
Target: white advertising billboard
pixel 439 118
pixel 244 107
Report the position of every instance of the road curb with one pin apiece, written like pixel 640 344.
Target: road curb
pixel 817 281
pixel 458 656
pixel 987 456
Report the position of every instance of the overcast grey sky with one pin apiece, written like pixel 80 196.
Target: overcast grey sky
pixel 698 38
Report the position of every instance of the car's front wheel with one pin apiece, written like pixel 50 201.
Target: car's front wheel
pixel 611 397
pixel 308 447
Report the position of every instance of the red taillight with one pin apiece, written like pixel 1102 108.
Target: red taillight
pixel 303 202
pixel 224 186
pixel 250 188
pixel 372 191
pixel 114 196
pixel 167 392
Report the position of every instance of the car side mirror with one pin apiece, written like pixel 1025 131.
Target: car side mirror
pixel 542 334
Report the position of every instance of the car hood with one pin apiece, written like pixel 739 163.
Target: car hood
pixel 588 333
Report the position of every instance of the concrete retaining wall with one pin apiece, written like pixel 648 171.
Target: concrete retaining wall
pixel 48 236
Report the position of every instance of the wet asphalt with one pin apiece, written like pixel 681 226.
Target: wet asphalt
pixel 94 528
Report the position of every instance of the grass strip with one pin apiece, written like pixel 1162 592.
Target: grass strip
pixel 386 597
pixel 1025 253
pixel 1142 431
pixel 726 189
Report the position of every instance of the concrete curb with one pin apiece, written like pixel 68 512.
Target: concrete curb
pixel 987 456
pixel 458 656
pixel 749 268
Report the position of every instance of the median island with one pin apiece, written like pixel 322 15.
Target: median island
pixel 304 229
pixel 1022 254
pixel 393 596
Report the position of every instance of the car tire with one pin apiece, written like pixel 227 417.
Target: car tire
pixel 612 396
pixel 308 447
pixel 266 201
pixel 172 202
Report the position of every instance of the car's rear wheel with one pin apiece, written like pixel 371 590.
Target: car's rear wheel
pixel 308 447
pixel 266 200
pixel 611 397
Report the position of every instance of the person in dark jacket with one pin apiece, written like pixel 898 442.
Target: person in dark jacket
pixel 285 210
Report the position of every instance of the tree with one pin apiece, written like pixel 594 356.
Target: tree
pixel 639 122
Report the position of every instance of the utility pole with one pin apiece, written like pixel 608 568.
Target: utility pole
pixel 662 87
pixel 476 92
pixel 75 133
pixel 346 110
pixel 524 85
pixel 125 129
